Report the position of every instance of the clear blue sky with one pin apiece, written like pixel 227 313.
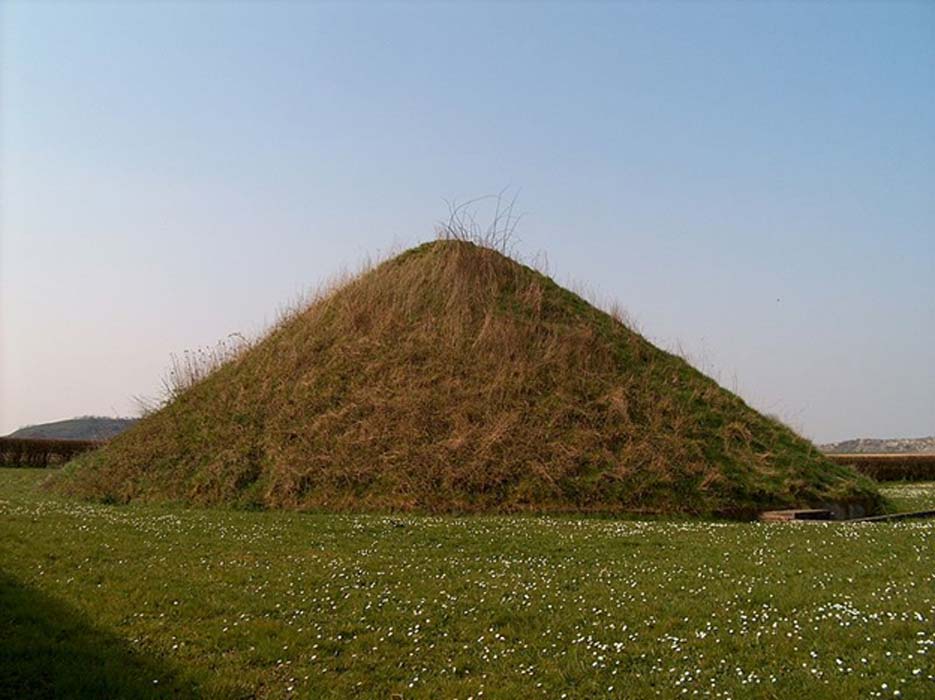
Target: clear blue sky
pixel 753 181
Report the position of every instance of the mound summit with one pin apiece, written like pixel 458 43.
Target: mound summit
pixel 453 379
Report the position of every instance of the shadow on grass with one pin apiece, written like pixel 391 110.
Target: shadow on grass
pixel 50 650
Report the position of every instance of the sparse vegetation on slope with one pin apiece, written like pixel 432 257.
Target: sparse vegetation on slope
pixel 453 379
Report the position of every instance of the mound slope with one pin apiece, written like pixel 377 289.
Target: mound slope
pixel 453 379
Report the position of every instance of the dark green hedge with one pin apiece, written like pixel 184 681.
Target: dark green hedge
pixel 891 467
pixel 28 452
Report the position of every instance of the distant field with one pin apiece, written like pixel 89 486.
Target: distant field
pixel 890 466
pixel 145 601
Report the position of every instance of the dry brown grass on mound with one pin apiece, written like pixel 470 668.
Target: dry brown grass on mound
pixel 451 378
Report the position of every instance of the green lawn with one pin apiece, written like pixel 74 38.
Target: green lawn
pixel 133 601
pixel 911 496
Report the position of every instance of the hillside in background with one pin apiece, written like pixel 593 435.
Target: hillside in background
pixel 925 445
pixel 83 428
pixel 454 379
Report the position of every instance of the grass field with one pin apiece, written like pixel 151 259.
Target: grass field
pixel 144 601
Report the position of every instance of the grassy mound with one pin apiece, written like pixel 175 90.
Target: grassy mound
pixel 453 379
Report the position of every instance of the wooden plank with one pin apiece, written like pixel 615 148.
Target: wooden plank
pixel 800 514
